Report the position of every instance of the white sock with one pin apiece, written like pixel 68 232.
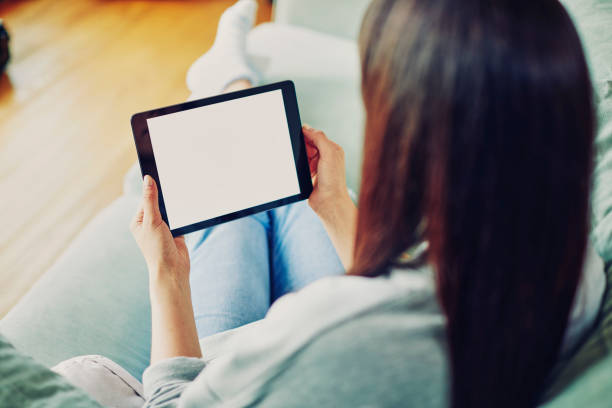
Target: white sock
pixel 226 61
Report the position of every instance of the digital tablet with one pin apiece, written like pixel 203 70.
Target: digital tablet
pixel 221 158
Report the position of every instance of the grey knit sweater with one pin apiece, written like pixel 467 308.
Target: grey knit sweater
pixel 341 341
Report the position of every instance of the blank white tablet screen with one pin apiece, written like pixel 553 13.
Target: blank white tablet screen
pixel 221 158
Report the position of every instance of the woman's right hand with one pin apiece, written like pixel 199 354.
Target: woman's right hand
pixel 326 160
pixel 330 198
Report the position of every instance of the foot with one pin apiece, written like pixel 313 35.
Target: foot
pixel 226 61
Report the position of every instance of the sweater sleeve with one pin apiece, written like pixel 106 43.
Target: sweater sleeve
pixel 165 381
pixel 26 383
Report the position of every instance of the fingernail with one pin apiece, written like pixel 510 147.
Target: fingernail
pixel 148 181
pixel 307 127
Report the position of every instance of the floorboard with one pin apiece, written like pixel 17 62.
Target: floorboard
pixel 79 69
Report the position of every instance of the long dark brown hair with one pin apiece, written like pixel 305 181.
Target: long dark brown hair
pixel 479 141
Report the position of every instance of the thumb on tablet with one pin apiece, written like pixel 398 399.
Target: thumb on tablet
pixel 150 204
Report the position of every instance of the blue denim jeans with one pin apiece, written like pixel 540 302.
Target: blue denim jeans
pixel 238 269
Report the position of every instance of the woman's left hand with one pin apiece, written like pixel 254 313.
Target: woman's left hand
pixel 173 329
pixel 166 256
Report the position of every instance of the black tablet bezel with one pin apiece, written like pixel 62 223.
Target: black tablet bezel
pixel 148 165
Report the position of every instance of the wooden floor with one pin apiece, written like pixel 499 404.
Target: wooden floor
pixel 78 72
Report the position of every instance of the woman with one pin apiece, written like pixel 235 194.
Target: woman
pixel 462 261
pixel 478 155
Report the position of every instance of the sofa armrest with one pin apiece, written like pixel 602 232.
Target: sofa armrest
pixel 93 300
pixel 326 73
pixel 341 18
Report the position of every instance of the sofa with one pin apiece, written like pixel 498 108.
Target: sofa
pixel 94 299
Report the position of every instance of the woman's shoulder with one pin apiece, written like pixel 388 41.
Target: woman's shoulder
pixel 390 355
